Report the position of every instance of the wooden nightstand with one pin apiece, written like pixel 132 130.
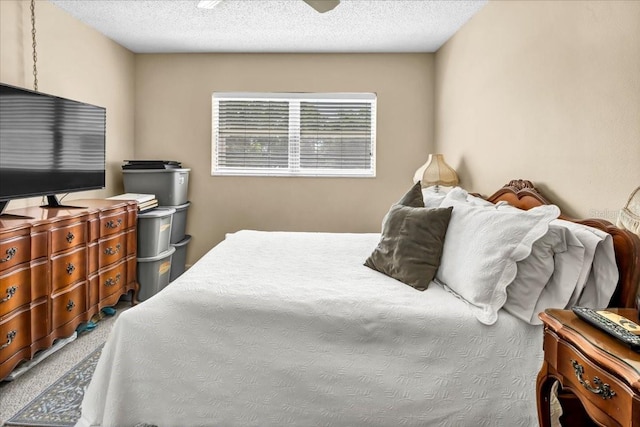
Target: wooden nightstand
pixel 599 376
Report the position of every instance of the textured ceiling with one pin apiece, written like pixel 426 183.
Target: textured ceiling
pixel 169 26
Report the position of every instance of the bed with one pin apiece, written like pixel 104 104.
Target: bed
pixel 292 328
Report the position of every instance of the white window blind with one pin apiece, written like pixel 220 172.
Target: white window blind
pixel 295 134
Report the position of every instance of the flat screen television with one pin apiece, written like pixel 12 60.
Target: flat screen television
pixel 49 145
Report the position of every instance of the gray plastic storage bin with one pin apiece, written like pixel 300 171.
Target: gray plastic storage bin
pixel 169 185
pixel 179 223
pixel 179 259
pixel 153 273
pixel 154 231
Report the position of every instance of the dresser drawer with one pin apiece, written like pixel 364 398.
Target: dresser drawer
pixel 112 250
pixel 14 251
pixel 112 224
pixel 68 305
pixel 68 268
pixel 16 286
pixel 592 383
pixel 68 237
pixel 112 279
pixel 15 333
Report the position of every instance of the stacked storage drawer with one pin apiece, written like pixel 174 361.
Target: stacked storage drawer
pixel 154 251
pixel 179 241
pixel 169 184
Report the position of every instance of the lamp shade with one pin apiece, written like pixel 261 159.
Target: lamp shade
pixel 436 172
pixel 629 217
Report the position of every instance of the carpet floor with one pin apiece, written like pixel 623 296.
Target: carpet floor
pixel 59 404
pixel 16 394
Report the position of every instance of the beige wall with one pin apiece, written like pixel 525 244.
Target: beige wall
pixel 77 62
pixel 547 91
pixel 173 121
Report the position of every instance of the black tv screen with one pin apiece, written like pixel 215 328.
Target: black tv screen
pixel 49 145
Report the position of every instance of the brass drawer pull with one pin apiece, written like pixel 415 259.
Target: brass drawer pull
pixel 113 224
pixel 11 252
pixel 10 293
pixel 10 337
pixel 70 269
pixel 110 251
pixel 70 237
pixel 111 281
pixel 70 305
pixel 599 388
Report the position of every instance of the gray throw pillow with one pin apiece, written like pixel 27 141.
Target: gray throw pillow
pixel 413 197
pixel 411 244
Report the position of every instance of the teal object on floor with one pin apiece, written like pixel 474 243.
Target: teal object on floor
pixel 85 327
pixel 109 311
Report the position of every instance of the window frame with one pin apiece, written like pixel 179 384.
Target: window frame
pixel 294 99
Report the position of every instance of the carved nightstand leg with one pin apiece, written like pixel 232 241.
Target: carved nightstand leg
pixel 544 384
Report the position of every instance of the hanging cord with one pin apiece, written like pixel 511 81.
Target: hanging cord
pixel 33 37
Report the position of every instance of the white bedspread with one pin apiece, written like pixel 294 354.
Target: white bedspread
pixel 291 329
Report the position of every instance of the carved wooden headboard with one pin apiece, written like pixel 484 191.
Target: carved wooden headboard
pixel 524 195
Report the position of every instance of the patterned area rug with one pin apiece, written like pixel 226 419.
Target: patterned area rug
pixel 59 404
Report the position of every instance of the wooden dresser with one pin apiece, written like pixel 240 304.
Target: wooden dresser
pixel 58 269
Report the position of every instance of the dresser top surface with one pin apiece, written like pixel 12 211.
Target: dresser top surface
pixel 35 214
pixel 591 339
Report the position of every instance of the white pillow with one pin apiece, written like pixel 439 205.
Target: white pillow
pixel 483 202
pixel 458 194
pixel 604 275
pixel 599 275
pixel 432 199
pixel 567 267
pixel 535 275
pixel 462 195
pixel 482 247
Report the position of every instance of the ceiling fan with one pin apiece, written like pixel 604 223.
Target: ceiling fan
pixel 320 6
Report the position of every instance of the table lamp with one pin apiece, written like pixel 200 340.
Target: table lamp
pixel 629 217
pixel 436 172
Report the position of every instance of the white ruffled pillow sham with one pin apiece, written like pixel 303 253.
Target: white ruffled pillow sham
pixel 537 282
pixel 586 274
pixel 599 274
pixel 567 266
pixel 547 277
pixel 482 248
pixel 572 264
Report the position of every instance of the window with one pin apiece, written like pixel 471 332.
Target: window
pixel 294 134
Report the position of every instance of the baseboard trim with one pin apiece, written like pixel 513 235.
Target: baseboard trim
pixel 40 357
